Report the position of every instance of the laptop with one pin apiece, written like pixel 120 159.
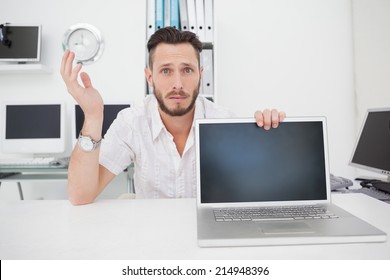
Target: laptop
pixel 258 187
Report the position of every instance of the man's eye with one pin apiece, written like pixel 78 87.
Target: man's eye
pixel 188 70
pixel 165 71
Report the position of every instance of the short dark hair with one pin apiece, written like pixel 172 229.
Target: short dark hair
pixel 171 35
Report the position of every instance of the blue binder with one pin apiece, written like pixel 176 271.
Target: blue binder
pixel 175 20
pixel 159 14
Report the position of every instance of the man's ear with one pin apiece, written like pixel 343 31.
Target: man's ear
pixel 201 72
pixel 148 75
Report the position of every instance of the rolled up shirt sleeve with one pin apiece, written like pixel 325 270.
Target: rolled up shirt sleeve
pixel 116 153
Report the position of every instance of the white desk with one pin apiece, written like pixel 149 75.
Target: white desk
pixel 154 229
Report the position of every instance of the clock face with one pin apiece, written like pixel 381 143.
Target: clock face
pixel 85 41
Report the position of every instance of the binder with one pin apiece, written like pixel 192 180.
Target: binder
pixel 159 14
pixel 208 72
pixel 199 10
pixel 191 16
pixel 167 12
pixel 201 84
pixel 183 15
pixel 209 21
pixel 150 21
pixel 175 22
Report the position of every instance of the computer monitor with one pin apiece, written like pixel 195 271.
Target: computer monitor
pixel 110 113
pixel 372 150
pixel 32 128
pixel 20 43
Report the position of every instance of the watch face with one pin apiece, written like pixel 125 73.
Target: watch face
pixel 86 144
pixel 85 41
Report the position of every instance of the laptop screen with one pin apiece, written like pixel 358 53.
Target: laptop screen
pixel 240 162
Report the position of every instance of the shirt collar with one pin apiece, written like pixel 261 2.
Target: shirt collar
pixel 158 125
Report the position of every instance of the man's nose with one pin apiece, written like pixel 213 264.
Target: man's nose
pixel 177 82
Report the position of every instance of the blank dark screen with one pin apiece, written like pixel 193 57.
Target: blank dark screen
pixel 24 42
pixel 240 162
pixel 373 148
pixel 33 121
pixel 110 113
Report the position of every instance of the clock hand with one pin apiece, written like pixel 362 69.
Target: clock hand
pixel 81 40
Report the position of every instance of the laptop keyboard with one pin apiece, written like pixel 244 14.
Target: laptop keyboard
pixel 284 213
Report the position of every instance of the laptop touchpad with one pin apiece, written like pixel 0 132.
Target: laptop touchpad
pixel 285 228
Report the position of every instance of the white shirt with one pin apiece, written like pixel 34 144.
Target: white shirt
pixel 138 135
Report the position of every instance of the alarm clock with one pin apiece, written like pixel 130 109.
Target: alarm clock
pixel 86 41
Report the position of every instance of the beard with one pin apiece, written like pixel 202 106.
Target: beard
pixel 178 111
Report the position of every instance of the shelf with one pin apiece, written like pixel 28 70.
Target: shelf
pixel 24 69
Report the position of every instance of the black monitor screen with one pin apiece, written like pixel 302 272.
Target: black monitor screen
pixel 110 113
pixel 19 42
pixel 373 147
pixel 33 121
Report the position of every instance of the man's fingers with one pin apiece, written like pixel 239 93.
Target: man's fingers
pixel 68 72
pixel 63 62
pixel 69 65
pixel 259 118
pixel 282 115
pixel 86 80
pixel 274 118
pixel 269 118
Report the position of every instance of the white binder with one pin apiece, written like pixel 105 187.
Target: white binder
pixel 199 10
pixel 150 21
pixel 208 72
pixel 191 16
pixel 209 20
pixel 167 13
pixel 183 15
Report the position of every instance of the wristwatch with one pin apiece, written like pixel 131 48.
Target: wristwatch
pixel 87 144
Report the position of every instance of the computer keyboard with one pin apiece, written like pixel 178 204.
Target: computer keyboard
pixel 33 162
pixel 62 161
pixel 373 192
pixel 338 182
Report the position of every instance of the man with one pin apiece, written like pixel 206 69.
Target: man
pixel 158 136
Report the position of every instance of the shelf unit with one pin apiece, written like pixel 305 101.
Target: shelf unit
pixel 194 11
pixel 24 69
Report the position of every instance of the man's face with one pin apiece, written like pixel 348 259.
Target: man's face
pixel 175 78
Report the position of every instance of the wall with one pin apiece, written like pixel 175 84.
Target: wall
pixel 292 55
pixel 371 33
pixel 372 54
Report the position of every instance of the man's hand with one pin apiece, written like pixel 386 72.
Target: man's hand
pixel 87 97
pixel 269 118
